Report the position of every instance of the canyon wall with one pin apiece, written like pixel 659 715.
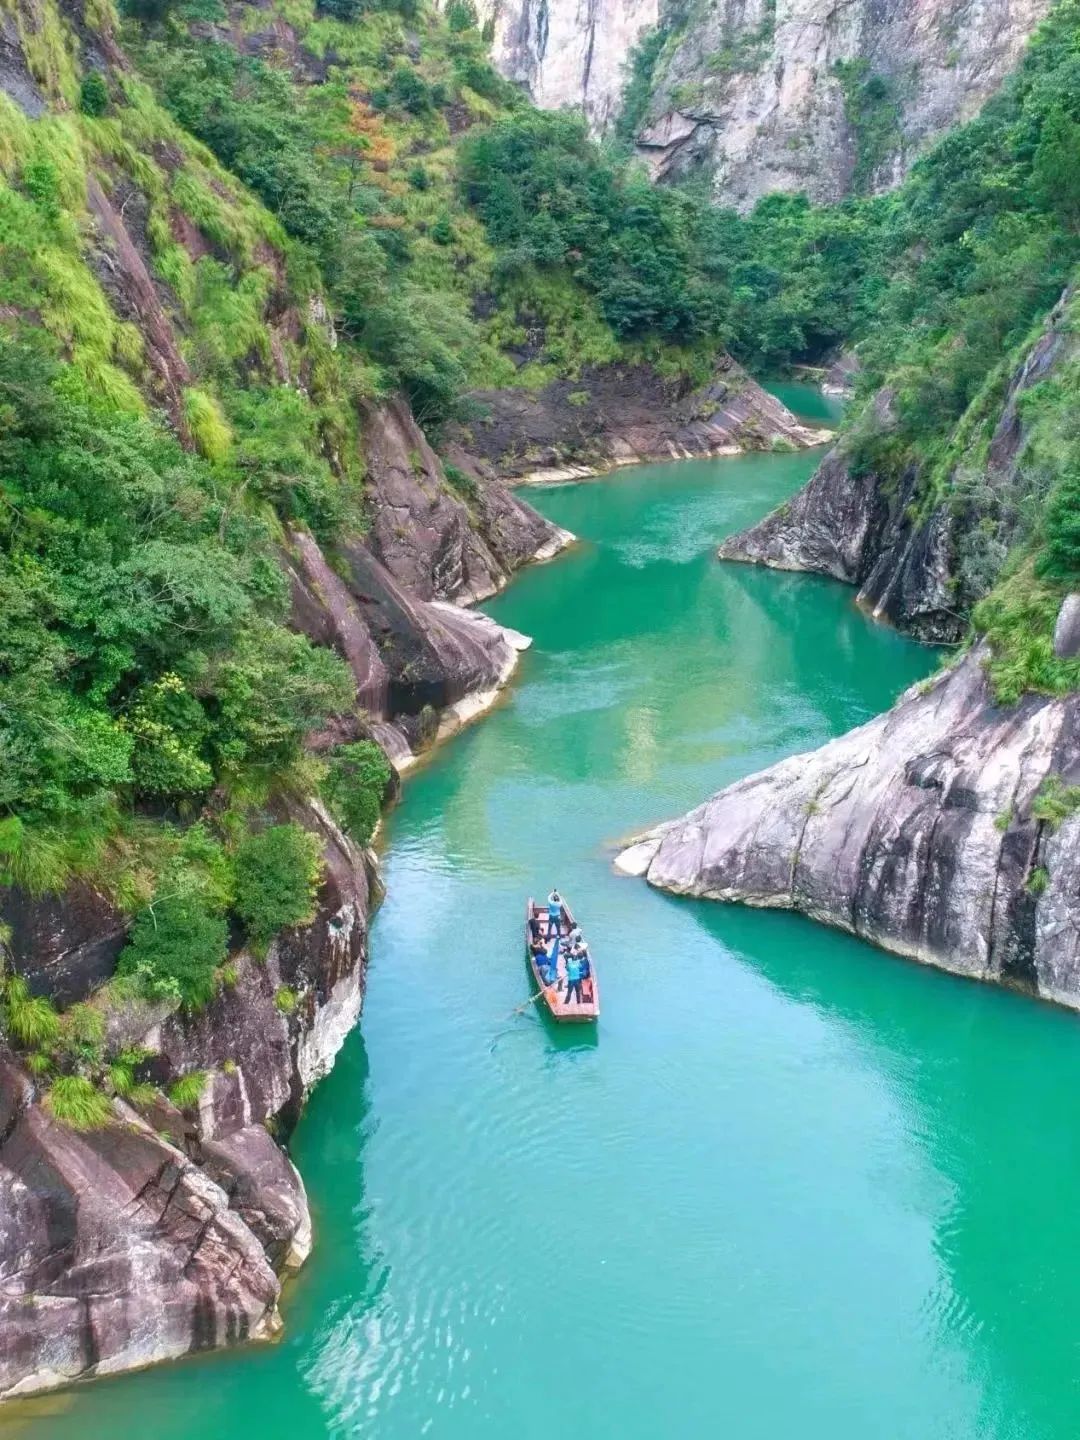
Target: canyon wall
pixel 921 831
pixel 823 96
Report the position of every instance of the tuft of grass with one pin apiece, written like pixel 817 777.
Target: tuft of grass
pixel 1038 880
pixel 31 1020
pixel 185 1092
pixel 1055 801
pixel 286 999
pixel 77 1103
pixel 208 426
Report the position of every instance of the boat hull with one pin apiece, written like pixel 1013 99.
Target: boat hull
pixel 586 1013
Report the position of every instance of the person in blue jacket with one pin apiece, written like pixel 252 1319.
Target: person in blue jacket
pixel 554 904
pixel 573 977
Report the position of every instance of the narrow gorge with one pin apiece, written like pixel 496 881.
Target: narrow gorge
pixel 311 317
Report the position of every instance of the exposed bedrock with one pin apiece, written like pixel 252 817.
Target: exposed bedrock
pixel 918 566
pixel 569 54
pixel 914 831
pixel 438 543
pixel 623 415
pixel 165 1233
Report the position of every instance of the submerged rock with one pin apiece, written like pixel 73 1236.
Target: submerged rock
pixel 916 831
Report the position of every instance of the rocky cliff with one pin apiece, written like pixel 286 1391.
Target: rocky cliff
pixel 824 96
pixel 624 415
pixel 763 95
pixel 570 52
pixel 166 1232
pixel 945 830
pixel 922 550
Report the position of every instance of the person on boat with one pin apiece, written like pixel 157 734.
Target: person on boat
pixel 573 977
pixel 554 904
pixel 534 927
pixel 586 974
pixel 576 937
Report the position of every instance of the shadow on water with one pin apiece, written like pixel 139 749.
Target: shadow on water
pixel 964 1063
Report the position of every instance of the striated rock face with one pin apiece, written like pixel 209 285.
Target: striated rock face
pixel 750 91
pixel 164 1233
pixel 569 52
pixel 853 528
pixel 425 535
pixel 915 831
pixel 918 568
pixel 622 415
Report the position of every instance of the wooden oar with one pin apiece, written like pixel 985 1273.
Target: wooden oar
pixel 529 1001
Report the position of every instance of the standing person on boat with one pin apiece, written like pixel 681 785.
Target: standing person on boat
pixel 586 973
pixel 554 903
pixel 573 977
pixel 551 963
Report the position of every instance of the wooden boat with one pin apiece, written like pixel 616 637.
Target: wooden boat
pixel 554 998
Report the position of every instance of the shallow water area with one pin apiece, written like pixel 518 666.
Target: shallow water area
pixel 789 1186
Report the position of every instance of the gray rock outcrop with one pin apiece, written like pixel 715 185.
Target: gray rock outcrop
pixel 624 415
pixel 569 54
pixel 165 1232
pixel 753 90
pixel 919 567
pixel 918 831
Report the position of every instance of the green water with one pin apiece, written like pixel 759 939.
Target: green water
pixel 792 1187
pixel 808 402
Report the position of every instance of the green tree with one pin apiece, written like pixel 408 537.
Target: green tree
pixel 278 873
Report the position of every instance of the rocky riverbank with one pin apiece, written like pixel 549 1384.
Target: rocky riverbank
pixel 616 415
pixel 168 1231
pixel 945 830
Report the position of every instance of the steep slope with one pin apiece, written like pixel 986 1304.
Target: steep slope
pixel 569 54
pixel 946 830
pixel 819 96
pixel 298 562
pixel 766 95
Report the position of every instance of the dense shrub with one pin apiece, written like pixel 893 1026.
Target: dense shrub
pixel 355 786
pixel 93 94
pixel 174 951
pixel 141 648
pixel 277 879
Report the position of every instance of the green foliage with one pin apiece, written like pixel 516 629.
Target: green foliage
pixel 277 878
pixel 458 480
pixel 872 112
pixel 93 94
pixel 461 15
pixel 30 1020
pixel 1055 801
pixel 550 198
pixel 355 785
pixel 141 653
pixel 76 1102
pixel 208 427
pixel 1038 880
pixel 186 1091
pixel 1018 620
pixel 174 950
pixel 1060 558
pixel 285 999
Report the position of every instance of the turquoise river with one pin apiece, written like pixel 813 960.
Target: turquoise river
pixel 791 1187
